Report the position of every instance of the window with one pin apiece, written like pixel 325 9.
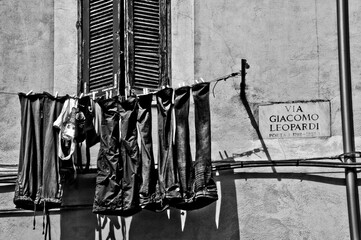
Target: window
pixel 124 43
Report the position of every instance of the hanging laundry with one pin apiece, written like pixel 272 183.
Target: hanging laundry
pixel 38 183
pixel 168 182
pixel 182 149
pixel 85 129
pixel 70 122
pixel 204 186
pixel 118 178
pixel 149 174
pixel 67 123
pixel 86 136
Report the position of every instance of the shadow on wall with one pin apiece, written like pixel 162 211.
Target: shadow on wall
pixel 216 221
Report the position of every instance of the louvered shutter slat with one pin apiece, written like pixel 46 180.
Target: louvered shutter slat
pixel 146 28
pixel 101 57
pixel 147 78
pixel 101 44
pixel 102 15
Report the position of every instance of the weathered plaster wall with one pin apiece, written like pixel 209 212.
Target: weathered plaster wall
pixel 65 47
pixel 34 57
pixel 26 62
pixel 291 47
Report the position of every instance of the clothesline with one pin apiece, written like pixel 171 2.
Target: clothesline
pixel 8 93
pixel 216 80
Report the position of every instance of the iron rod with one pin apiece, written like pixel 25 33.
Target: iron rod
pixel 347 116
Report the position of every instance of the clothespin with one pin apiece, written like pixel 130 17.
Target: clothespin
pixel 179 85
pixel 81 95
pixel 126 93
pixel 106 95
pixel 163 87
pixel 93 96
pixel 201 79
pixel 184 84
pixel 196 81
pixel 30 92
pixel 110 93
pixel 56 94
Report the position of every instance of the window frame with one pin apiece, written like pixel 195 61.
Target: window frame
pixel 124 77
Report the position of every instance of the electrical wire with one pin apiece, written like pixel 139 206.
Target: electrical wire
pixel 231 163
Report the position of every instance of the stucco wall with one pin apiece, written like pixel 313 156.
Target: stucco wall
pixel 27 42
pixel 291 47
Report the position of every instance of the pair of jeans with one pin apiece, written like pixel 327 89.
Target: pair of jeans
pixel 205 189
pixel 182 150
pixel 118 178
pixel 197 185
pixel 148 185
pixel 38 184
pixel 167 173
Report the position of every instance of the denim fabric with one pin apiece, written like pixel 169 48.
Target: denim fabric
pixel 182 150
pixel 38 179
pixel 148 171
pixel 204 186
pixel 117 182
pixel 168 182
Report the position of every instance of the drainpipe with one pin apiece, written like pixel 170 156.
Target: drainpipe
pixel 347 117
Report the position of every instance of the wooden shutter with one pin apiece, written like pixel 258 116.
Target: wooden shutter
pixel 102 46
pixel 147 38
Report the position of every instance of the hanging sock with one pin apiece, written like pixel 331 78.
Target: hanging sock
pixel 182 150
pixel 168 183
pixel 204 186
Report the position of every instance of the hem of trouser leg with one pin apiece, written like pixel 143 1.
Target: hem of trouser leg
pixel 24 202
pixel 28 204
pixel 200 199
pixel 152 203
pixel 116 211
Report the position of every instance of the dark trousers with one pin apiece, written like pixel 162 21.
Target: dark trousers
pixel 38 183
pixel 204 186
pixel 168 182
pixel 182 150
pixel 148 171
pixel 117 182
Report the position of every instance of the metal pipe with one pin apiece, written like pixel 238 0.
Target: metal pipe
pixel 347 116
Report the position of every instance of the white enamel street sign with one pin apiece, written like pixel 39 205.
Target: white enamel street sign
pixel 295 120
